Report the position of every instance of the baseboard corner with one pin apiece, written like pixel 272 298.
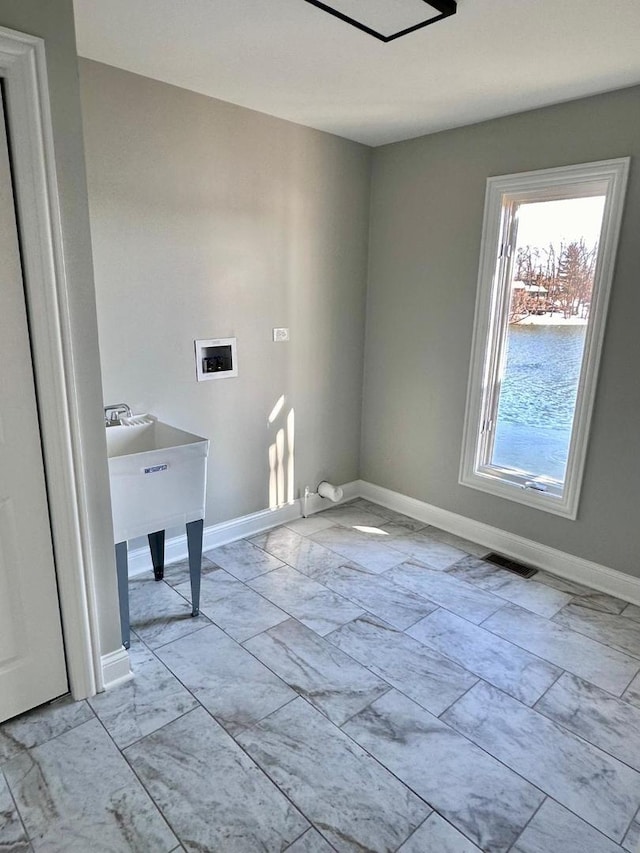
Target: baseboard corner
pixel 116 668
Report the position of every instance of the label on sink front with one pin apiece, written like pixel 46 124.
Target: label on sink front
pixel 154 469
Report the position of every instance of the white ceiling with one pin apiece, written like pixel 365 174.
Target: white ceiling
pixel 292 60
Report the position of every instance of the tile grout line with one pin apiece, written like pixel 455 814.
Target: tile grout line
pixel 318 636
pixel 553 684
pixel 464 737
pixel 45 705
pixel 27 834
pixel 546 794
pixel 524 828
pixel 24 749
pixel 609 645
pixel 571 631
pixel 486 752
pixel 141 783
pixel 496 593
pixel 475 674
pixel 390 687
pixel 246 585
pixel 413 832
pixel 365 751
pixel 631 822
pixel 299 838
pixel 211 714
pixel 159 728
pixel 352 659
pixel 451 728
pixel 264 772
pixel 459 698
pixel 421 564
pixel 346 599
pixel 584 739
pixel 291 615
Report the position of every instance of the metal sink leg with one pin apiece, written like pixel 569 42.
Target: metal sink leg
pixel 156 546
pixel 123 591
pixel 194 544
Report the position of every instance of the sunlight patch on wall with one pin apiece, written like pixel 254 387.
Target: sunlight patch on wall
pixel 281 455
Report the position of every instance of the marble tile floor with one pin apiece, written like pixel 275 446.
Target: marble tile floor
pixel 356 681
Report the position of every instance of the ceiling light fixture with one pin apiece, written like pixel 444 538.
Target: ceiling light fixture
pixel 388 19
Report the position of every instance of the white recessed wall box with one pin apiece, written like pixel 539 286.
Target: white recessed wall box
pixel 216 358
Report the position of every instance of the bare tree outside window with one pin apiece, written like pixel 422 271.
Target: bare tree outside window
pixel 556 279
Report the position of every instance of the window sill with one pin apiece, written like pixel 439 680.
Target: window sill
pixel 565 505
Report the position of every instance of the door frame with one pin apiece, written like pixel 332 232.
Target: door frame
pixel 24 73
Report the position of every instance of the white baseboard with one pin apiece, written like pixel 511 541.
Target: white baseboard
pixel 115 668
pixel 236 528
pixel 556 562
pixel 542 556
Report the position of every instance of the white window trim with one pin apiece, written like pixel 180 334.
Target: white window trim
pixel 613 174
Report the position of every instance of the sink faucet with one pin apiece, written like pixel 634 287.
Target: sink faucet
pixel 114 412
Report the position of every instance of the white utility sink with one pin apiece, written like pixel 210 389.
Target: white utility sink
pixel 157 474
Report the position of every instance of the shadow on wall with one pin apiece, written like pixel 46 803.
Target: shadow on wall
pixel 281 455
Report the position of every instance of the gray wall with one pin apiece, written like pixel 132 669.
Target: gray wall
pixel 426 223
pixel 209 220
pixel 53 21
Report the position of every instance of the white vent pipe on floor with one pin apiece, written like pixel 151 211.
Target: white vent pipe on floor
pixel 325 490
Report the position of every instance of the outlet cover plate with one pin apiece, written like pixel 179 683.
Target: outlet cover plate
pixel 280 335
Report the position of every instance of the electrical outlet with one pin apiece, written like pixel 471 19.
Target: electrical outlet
pixel 280 335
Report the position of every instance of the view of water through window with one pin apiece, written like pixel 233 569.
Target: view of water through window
pixel 538 398
pixel 553 275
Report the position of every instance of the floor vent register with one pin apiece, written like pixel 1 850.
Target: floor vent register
pixel 511 565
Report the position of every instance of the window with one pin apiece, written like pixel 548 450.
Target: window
pixel 547 258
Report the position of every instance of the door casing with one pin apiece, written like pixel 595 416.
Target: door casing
pixel 24 72
pixel 33 667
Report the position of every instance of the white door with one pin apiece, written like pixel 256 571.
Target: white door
pixel 32 664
